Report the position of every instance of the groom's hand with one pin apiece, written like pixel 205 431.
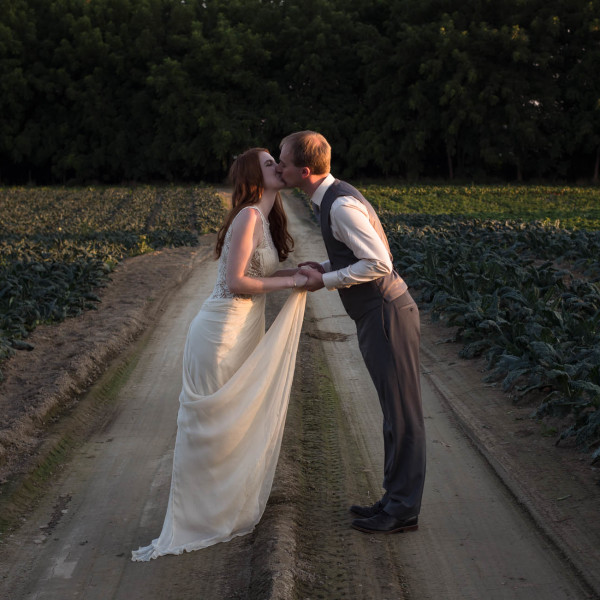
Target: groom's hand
pixel 313 265
pixel 315 279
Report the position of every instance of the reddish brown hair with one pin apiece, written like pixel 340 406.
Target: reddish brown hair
pixel 246 177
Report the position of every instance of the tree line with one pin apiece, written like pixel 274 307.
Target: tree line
pixel 172 90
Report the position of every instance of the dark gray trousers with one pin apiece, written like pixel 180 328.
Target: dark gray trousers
pixel 389 339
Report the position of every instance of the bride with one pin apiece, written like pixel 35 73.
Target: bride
pixel 236 378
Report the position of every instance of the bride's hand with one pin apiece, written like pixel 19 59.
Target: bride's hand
pixel 312 265
pixel 300 280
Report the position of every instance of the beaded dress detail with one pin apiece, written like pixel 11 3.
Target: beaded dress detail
pixel 263 263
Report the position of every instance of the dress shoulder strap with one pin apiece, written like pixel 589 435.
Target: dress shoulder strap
pixel 264 221
pixel 255 208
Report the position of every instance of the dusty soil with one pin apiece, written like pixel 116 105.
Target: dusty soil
pixel 303 547
pixel 557 484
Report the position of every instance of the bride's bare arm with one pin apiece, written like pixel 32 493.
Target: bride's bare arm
pixel 245 236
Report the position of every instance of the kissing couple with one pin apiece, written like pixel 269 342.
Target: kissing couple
pixel 237 377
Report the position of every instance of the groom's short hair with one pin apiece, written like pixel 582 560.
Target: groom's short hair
pixel 309 149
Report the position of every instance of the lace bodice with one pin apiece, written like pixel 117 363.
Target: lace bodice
pixel 263 263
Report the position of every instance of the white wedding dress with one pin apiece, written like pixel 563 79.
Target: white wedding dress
pixel 233 403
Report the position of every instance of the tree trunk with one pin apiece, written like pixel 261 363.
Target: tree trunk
pixel 450 167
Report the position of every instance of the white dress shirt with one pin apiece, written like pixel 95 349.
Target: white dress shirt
pixel 350 225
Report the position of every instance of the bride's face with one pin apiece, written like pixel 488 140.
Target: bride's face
pixel 268 166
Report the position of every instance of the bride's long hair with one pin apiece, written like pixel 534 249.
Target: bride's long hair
pixel 248 186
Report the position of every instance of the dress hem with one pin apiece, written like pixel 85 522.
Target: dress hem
pixel 147 553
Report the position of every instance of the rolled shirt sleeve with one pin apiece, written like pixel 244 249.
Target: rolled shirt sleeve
pixel 350 225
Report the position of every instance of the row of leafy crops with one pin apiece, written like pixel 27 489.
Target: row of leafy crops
pixel 525 294
pixel 571 207
pixel 57 245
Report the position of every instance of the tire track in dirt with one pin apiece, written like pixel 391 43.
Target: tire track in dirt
pixel 333 561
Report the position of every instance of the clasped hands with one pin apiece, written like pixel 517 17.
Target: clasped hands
pixel 313 272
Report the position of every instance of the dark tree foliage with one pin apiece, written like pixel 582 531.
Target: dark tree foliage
pixel 161 90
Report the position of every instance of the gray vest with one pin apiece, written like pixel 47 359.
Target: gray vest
pixel 360 298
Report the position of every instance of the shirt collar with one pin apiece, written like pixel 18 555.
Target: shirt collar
pixel 317 197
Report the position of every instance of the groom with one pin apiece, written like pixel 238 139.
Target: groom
pixel 387 322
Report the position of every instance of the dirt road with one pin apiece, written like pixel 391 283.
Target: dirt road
pixel 474 542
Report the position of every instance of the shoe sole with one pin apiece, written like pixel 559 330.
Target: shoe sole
pixel 364 515
pixel 397 530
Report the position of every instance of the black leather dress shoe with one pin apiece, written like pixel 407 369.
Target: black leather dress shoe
pixel 384 523
pixel 367 511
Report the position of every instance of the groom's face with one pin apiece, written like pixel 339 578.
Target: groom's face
pixel 288 171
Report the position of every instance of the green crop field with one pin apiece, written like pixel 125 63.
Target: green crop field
pixel 516 270
pixel 57 245
pixel 571 207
